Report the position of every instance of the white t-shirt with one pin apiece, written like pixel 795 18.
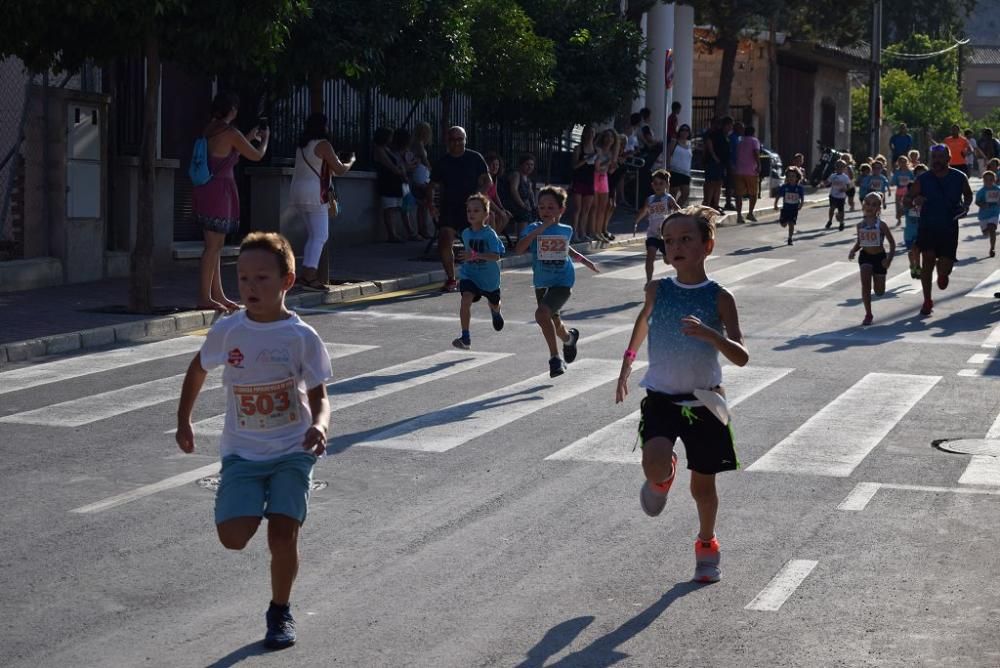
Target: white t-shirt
pixel 658 208
pixel 839 185
pixel 269 367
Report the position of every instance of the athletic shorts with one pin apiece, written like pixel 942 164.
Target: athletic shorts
pixel 789 215
pixel 985 225
pixel 708 443
pixel 715 173
pixel 584 187
pixel 554 297
pixel 277 486
pixel 680 180
pixel 910 233
pixel 466 285
pixel 942 241
pixel 838 203
pixel 746 184
pixel 851 192
pixel 875 260
pixel 657 243
pixel 455 219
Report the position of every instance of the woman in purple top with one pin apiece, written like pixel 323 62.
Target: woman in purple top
pixel 217 203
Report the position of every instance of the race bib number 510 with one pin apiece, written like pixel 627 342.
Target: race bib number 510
pixel 264 407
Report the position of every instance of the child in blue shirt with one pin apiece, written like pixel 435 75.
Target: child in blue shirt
pixel 479 275
pixel 549 242
pixel 875 183
pixel 910 230
pixel 988 201
pixel 792 196
pixel 901 179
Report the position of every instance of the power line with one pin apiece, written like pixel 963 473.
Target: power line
pixel 924 56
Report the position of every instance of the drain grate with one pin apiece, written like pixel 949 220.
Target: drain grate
pixel 969 446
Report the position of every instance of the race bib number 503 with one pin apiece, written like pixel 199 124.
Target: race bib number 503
pixel 264 407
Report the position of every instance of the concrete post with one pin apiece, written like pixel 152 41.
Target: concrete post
pixel 683 60
pixel 640 101
pixel 660 37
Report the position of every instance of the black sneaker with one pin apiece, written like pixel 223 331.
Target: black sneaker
pixel 829 224
pixel 569 349
pixel 841 228
pixel 280 627
pixel 497 320
pixel 556 367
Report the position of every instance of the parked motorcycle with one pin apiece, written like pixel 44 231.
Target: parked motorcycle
pixel 824 168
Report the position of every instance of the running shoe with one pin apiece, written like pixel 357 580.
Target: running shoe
pixel 707 557
pixel 867 321
pixel 789 241
pixel 652 497
pixel 942 280
pixel 569 348
pixel 462 344
pixel 914 272
pixel 993 253
pixel 497 320
pixel 280 627
pixel 841 228
pixel 739 220
pixel 451 285
pixel 928 307
pixel 556 367
pixel 752 218
pixel 829 224
pixel 612 237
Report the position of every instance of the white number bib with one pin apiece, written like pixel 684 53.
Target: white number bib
pixel 914 213
pixel 993 196
pixel 553 248
pixel 791 198
pixel 265 407
pixel 904 181
pixel 869 238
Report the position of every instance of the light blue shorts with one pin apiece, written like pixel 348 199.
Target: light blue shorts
pixel 277 486
pixel 910 233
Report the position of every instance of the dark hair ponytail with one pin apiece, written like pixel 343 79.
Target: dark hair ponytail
pixel 224 102
pixel 315 128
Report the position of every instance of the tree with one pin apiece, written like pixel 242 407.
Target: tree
pixel 941 19
pixel 51 34
pixel 946 63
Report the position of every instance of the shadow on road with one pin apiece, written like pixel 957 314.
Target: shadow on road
pixel 602 651
pixel 593 313
pixel 238 655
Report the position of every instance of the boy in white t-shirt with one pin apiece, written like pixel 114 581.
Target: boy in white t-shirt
pixel 839 183
pixel 277 415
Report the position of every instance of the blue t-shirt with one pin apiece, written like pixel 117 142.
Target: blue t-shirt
pixel 484 273
pixel 942 197
pixel 791 196
pixel 900 145
pixel 874 184
pixel 552 265
pixel 902 178
pixel 989 205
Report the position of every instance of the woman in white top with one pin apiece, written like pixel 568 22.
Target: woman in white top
pixel 314 149
pixel 420 177
pixel 679 164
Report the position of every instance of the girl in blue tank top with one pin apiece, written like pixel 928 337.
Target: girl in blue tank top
pixel 689 319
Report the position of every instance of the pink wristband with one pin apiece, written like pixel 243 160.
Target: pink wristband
pixel 629 355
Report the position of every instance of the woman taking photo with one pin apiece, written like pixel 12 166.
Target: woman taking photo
pixel 313 151
pixel 679 164
pixel 216 204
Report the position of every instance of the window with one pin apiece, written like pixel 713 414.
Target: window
pixel 988 89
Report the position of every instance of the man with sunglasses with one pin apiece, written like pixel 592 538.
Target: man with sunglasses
pixel 942 196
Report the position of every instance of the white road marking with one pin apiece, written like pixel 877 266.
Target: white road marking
pixel 782 585
pixel 383 382
pixel 859 497
pixel 613 442
pixel 969 373
pixel 83 365
pixel 863 492
pixel 983 469
pixel 817 279
pixel 147 490
pixel 738 272
pixel 993 340
pixel 838 438
pixel 447 428
pixel 338 350
pixel 980 358
pixel 903 284
pixel 986 289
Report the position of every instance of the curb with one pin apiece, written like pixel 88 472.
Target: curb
pixel 181 323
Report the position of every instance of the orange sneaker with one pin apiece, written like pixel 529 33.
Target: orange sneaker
pixel 707 557
pixel 653 497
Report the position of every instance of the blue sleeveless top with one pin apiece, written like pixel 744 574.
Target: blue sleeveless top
pixel 680 364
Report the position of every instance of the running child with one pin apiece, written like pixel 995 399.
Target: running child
pixel 689 319
pixel 910 230
pixel 914 157
pixel 988 201
pixel 873 261
pixel 792 196
pixel 277 416
pixel 479 274
pixel 901 178
pixel 851 190
pixel 876 182
pixel 554 274
pixel 864 178
pixel 657 207
pixel 839 183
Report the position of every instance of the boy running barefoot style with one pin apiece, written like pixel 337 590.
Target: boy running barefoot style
pixel 839 183
pixel 554 275
pixel 277 416
pixel 792 196
pixel 988 201
pixel 479 274
pixel 657 207
pixel 873 261
pixel 689 319
pixel 901 178
pixel 910 230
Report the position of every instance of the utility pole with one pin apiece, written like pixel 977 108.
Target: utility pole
pixel 875 82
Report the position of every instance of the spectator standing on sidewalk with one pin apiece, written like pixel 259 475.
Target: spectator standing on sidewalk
pixel 582 189
pixel 673 120
pixel 679 164
pixel 900 143
pixel 457 174
pixel 734 137
pixel 989 146
pixel 314 151
pixel 716 155
pixel 216 204
pixel 521 191
pixel 499 216
pixel 400 147
pixel 420 177
pixel 390 175
pixel 970 159
pixel 747 173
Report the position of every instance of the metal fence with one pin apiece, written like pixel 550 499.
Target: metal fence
pixel 703 111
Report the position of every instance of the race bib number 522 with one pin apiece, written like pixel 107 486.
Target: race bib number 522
pixel 552 249
pixel 264 407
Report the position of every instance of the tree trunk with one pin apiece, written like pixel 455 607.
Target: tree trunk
pixel 140 297
pixel 316 94
pixel 729 44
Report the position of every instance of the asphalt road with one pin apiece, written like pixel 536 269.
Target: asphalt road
pixel 477 513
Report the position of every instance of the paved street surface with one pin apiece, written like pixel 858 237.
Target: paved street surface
pixel 477 513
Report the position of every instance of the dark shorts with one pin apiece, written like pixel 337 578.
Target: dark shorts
pixel 708 443
pixel 680 180
pixel 940 240
pixel 554 297
pixel 789 215
pixel 875 260
pixel 654 242
pixel 851 192
pixel 715 173
pixel 453 219
pixel 838 203
pixel 584 188
pixel 225 226
pixel 465 285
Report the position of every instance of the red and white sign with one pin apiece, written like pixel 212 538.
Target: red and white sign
pixel 668 69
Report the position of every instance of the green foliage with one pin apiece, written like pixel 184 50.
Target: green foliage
pixel 941 19
pixel 990 120
pixel 946 63
pixel 930 100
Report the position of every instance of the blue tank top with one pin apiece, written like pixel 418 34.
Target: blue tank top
pixel 943 197
pixel 680 364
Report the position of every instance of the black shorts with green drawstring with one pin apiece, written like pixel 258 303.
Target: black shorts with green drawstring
pixel 709 444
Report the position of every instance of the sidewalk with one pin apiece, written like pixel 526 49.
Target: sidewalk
pixel 67 318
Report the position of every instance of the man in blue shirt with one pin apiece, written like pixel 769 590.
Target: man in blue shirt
pixel 900 143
